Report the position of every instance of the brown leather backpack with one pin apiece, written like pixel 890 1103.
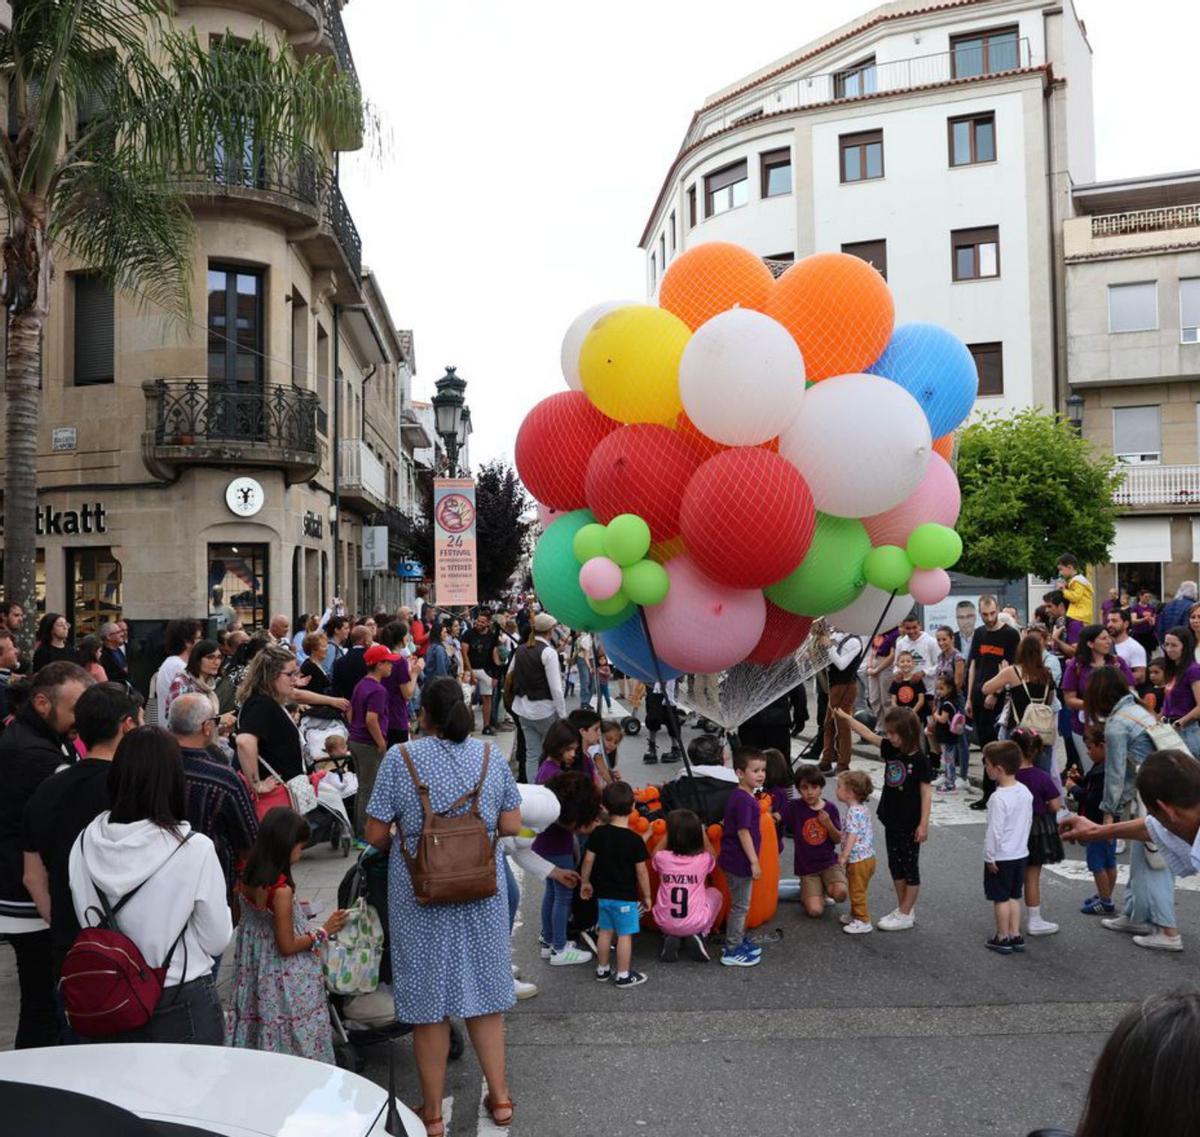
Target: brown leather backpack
pixel 455 861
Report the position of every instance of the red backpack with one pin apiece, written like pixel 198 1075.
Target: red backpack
pixel 106 986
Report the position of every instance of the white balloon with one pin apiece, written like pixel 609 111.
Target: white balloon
pixel 577 332
pixel 741 377
pixel 861 444
pixel 863 616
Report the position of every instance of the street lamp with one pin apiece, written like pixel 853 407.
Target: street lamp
pixel 452 417
pixel 1075 411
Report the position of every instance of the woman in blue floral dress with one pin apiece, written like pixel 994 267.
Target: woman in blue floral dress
pixel 448 959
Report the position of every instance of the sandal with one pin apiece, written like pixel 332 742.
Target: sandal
pixel 492 1108
pixel 434 1126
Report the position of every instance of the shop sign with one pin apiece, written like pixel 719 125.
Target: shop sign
pixel 375 548
pixel 69 522
pixel 63 438
pixel 410 570
pixel 313 525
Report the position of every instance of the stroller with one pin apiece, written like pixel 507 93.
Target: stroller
pixel 362 1021
pixel 323 808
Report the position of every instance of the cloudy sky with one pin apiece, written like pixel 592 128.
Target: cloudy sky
pixel 525 142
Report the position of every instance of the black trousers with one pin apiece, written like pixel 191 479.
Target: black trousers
pixel 37 1022
pixel 985 731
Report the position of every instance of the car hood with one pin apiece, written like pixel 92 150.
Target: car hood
pixel 239 1093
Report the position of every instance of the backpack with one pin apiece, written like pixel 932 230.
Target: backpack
pixel 1040 717
pixel 106 986
pixel 455 862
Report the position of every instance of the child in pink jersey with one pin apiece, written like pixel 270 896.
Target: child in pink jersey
pixel 685 908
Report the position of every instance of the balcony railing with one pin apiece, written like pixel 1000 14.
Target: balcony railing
pixel 337 215
pixel 265 164
pixel 1146 220
pixel 859 81
pixel 194 412
pixel 336 30
pixel 1160 485
pixel 359 468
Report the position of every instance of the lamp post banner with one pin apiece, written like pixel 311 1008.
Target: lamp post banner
pixel 454 542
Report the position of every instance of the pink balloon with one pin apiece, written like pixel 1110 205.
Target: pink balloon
pixel 703 626
pixel 937 498
pixel 929 586
pixel 600 578
pixel 546 515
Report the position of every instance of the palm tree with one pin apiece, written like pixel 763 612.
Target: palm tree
pixel 107 193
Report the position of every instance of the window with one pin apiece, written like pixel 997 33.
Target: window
pixel 662 250
pixel 653 270
pixel 92 102
pixel 1189 310
pixel 873 252
pixel 856 80
pixel 1133 307
pixel 240 573
pixel 93 329
pixel 691 196
pixel 984 53
pixel 235 325
pixel 1137 434
pixel 672 224
pixel 776 168
pixel 975 253
pixel 973 139
pixel 989 362
pixel 726 189
pixel 93 588
pixel 861 156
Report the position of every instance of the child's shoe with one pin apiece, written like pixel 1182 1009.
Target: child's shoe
pixel 633 979
pixel 603 974
pixel 669 953
pixel 750 946
pixel 739 957
pixel 1098 906
pixel 699 948
pixel 999 946
pixel 858 928
pixel 1017 943
pixel 898 921
pixel 544 949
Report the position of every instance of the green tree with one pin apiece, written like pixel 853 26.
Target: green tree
pixel 502 526
pixel 111 106
pixel 1032 489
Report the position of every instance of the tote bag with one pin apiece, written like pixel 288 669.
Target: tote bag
pixel 350 962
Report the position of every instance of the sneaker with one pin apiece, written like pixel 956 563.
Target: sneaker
pixel 516 971
pixel 603 974
pixel 669 953
pixel 1120 846
pixel 739 957
pixel 1091 906
pixel 544 949
pixel 1017 943
pixel 1040 927
pixel 1125 924
pixel 845 918
pixel 858 928
pixel 589 941
pixel 748 945
pixel 524 990
pixel 633 979
pixel 897 921
pixel 699 948
pixel 996 944
pixel 1158 941
pixel 569 955
pixel 978 806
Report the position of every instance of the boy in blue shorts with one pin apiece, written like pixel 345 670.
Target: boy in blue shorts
pixel 614 871
pixel 1088 790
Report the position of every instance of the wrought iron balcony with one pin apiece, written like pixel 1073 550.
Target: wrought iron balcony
pixel 196 421
pixel 337 215
pixel 331 16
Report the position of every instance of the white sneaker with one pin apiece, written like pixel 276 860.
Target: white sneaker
pixel 858 928
pixel 544 949
pixel 897 921
pixel 1160 941
pixel 1125 924
pixel 1040 927
pixel 1120 846
pixel 524 990
pixel 570 954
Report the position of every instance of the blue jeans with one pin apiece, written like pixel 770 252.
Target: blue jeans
pixel 1191 737
pixel 514 895
pixel 556 904
pixel 1150 894
pixel 585 683
pixel 605 698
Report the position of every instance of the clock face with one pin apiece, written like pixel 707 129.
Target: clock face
pixel 244 496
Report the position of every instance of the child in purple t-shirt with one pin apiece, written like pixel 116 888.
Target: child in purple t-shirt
pixel 741 840
pixel 1045 845
pixel 777 785
pixel 815 836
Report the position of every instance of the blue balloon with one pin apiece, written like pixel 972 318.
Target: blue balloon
pixel 627 648
pixel 934 367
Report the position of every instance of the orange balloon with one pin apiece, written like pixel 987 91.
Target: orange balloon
pixel 712 278
pixel 945 446
pixel 839 311
pixel 639 824
pixel 658 825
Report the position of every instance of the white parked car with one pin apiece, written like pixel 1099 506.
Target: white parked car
pixel 207 1090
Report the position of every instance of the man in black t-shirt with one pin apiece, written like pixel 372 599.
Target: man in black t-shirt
pixel 479 669
pixel 993 646
pixel 66 803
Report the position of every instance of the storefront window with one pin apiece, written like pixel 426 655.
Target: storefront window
pixel 93 588
pixel 1137 577
pixel 237 579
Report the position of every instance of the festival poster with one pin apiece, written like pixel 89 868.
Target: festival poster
pixel 454 542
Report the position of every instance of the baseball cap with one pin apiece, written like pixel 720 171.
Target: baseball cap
pixel 377 653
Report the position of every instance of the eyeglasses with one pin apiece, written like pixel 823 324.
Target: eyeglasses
pixel 290 674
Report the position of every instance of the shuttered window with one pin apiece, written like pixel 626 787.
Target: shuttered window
pixel 93 330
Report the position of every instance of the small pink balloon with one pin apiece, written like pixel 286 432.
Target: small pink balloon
pixel 600 578
pixel 937 498
pixel 703 626
pixel 929 586
pixel 546 515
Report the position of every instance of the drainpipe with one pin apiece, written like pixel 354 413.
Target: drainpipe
pixel 336 524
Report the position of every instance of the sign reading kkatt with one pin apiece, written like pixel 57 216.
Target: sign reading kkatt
pixel 454 542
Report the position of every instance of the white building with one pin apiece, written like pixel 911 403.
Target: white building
pixel 940 142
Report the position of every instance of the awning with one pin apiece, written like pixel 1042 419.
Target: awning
pixel 1141 539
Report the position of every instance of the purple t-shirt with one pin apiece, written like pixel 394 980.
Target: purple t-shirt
pixel 369 695
pixel 1041 785
pixel 815 852
pixel 1142 610
pixel 1180 698
pixel 883 643
pixel 397 703
pixel 554 840
pixel 1075 679
pixel 741 812
pixel 1073 630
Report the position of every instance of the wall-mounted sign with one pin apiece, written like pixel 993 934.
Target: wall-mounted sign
pixel 68 522
pixel 375 548
pixel 454 541
pixel 313 525
pixel 410 570
pixel 244 496
pixel 63 438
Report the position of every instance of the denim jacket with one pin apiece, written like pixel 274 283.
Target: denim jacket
pixel 1127 743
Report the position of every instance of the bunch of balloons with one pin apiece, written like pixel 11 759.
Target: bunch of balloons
pixel 776 448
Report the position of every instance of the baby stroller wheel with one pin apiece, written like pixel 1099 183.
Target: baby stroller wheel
pixel 457 1043
pixel 631 725
pixel 347 844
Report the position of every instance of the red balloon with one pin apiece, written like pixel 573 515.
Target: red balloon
pixel 642 468
pixel 553 447
pixel 783 634
pixel 747 517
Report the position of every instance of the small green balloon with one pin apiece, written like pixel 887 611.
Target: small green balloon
pixel 887 567
pixel 645 583
pixel 610 607
pixel 626 539
pixel 589 542
pixel 556 576
pixel 830 577
pixel 933 546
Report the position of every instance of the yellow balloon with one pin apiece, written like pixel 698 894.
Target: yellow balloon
pixel 629 364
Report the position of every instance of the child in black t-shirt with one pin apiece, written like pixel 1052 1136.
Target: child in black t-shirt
pixel 614 871
pixel 906 692
pixel 948 703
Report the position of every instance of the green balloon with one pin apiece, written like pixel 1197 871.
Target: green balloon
pixel 831 575
pixel 887 567
pixel 589 542
pixel 556 576
pixel 609 607
pixel 645 583
pixel 933 546
pixel 626 539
